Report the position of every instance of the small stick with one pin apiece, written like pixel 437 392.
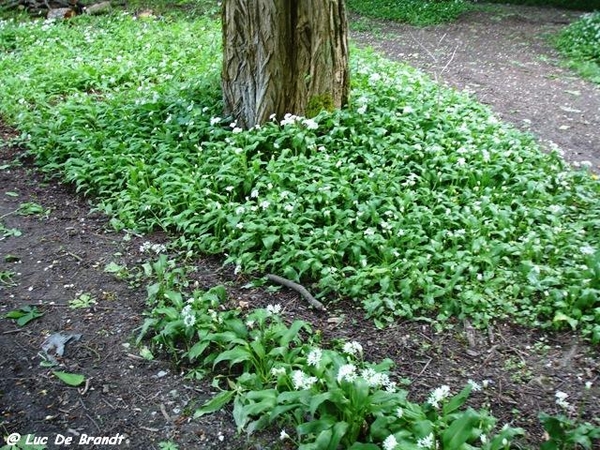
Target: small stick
pixel 299 289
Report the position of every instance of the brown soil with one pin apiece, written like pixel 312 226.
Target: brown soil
pixel 58 256
pixel 503 57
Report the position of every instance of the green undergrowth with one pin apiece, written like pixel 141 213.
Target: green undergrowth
pixel 414 12
pixel 415 201
pixel 580 43
pixel 580 5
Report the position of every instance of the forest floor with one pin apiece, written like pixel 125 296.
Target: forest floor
pixel 49 259
pixel 503 57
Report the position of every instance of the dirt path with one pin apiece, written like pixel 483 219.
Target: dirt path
pixel 505 60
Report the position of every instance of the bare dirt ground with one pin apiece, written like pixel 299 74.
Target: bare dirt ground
pixel 503 57
pixel 63 253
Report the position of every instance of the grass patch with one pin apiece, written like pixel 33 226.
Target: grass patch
pixel 415 200
pixel 414 12
pixel 580 43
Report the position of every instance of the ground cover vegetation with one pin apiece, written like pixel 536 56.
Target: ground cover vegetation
pixel 580 42
pixel 580 5
pixel 415 200
pixel 415 12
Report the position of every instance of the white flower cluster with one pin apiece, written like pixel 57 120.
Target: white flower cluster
pixel 189 318
pixel 302 381
pixel 314 357
pixel 374 379
pixel 439 395
pixel 290 119
pixel 274 309
pixel 426 442
pixel 353 348
pixel 347 372
pixel 561 400
pixel 149 246
pixel 390 443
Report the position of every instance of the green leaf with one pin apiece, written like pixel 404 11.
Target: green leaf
pixel 72 379
pixel 460 430
pixel 339 431
pixel 268 241
pixel 457 401
pixel 197 349
pixel 234 356
pixel 361 446
pixel 562 317
pixel 24 315
pixel 215 404
pixel 292 333
pixel 317 400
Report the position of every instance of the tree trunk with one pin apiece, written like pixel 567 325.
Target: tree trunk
pixel 283 56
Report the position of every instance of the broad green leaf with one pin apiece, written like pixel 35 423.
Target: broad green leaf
pixel 215 404
pixel 197 349
pixel 72 379
pixel 361 446
pixel 339 430
pixel 317 400
pixel 562 317
pixel 457 401
pixel 234 356
pixel 268 241
pixel 460 430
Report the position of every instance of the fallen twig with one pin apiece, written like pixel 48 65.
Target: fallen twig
pixel 299 289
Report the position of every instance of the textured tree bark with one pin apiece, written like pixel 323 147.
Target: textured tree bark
pixel 283 56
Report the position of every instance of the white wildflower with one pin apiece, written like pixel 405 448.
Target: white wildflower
pixel 426 442
pixel 369 232
pixel 283 435
pixel 302 381
pixel 289 207
pixel 310 124
pixel 278 371
pixel 390 443
pixel 352 348
pixel 314 357
pixel 461 161
pixel 362 109
pixel 587 250
pixel 237 130
pixel 561 400
pixel 347 372
pixel 374 78
pixel 189 319
pixel 254 193
pixel 240 210
pixel 289 119
pixel 264 204
pixel 475 387
pixel 274 309
pixel 588 385
pixel 399 412
pixel 215 120
pixel 438 395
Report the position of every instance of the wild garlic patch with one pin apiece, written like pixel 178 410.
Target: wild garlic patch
pixel 414 200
